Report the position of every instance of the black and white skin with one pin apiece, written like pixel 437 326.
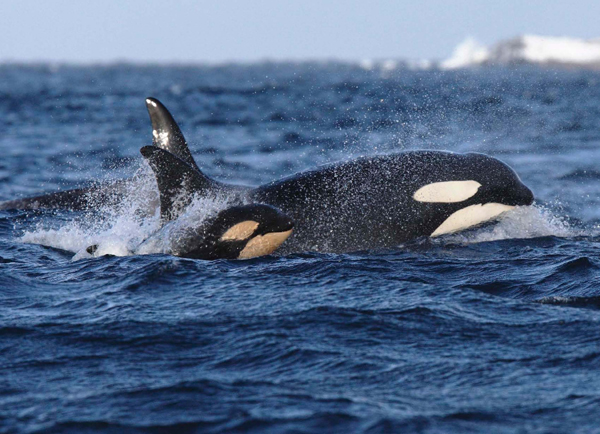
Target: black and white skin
pixel 367 203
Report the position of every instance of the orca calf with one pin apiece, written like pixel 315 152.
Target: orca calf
pixel 238 232
pixel 372 202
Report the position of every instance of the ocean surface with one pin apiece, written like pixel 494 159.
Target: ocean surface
pixel 493 330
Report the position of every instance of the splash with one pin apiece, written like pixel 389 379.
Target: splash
pixel 163 240
pixel 119 230
pixel 522 222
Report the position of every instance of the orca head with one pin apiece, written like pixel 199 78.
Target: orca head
pixel 477 190
pixel 499 183
pixel 243 232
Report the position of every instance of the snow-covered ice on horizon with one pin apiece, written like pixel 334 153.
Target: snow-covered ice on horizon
pixel 467 53
pixel 526 49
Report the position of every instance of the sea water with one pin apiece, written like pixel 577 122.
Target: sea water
pixel 489 330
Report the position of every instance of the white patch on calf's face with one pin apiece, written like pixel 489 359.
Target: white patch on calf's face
pixel 470 216
pixel 447 192
pixel 263 244
pixel 240 231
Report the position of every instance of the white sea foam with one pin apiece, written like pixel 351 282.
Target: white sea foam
pixel 522 222
pixel 170 235
pixel 121 229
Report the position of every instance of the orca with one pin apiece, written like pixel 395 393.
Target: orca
pixel 371 202
pixel 237 232
pixel 366 203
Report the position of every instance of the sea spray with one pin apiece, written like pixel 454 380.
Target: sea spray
pixel 521 222
pixel 118 230
pixel 170 234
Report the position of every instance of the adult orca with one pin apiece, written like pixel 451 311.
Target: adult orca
pixel 237 232
pixel 369 202
pixel 372 202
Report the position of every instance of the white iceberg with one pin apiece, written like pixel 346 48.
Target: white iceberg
pixel 541 50
pixel 468 53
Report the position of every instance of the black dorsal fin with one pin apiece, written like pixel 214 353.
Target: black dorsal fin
pixel 166 133
pixel 177 181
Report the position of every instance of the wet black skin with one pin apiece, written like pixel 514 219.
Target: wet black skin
pixel 361 204
pixel 365 203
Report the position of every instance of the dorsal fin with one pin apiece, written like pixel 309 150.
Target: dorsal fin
pixel 177 181
pixel 166 133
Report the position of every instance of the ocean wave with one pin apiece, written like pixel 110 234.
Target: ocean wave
pixel 490 330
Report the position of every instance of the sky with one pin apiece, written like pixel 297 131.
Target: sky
pixel 229 30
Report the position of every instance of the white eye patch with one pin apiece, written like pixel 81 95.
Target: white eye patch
pixel 240 231
pixel 447 192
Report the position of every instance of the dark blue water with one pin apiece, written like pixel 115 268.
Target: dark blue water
pixel 493 330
